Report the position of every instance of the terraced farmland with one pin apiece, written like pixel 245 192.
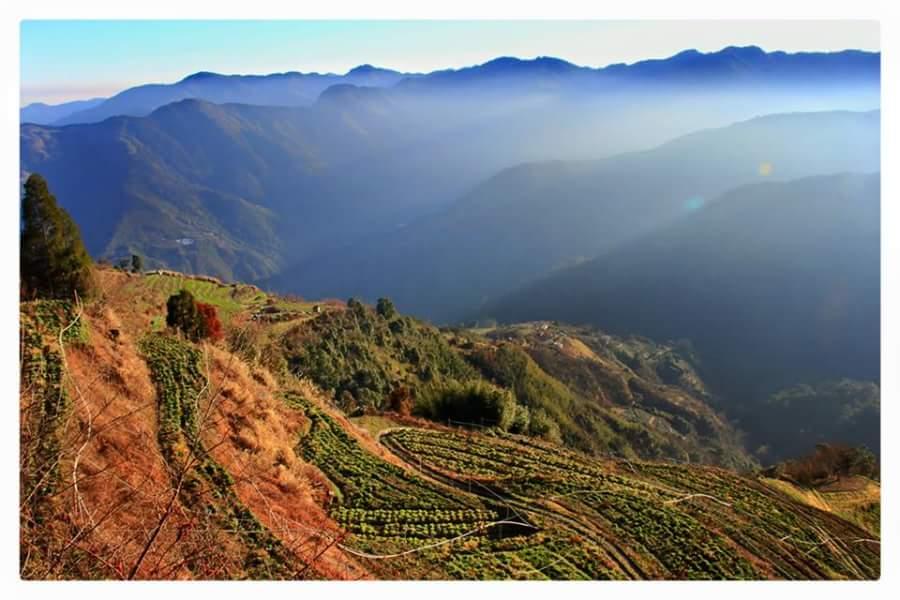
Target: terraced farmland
pixel 229 299
pixel 204 486
pixel 656 520
pixel 411 525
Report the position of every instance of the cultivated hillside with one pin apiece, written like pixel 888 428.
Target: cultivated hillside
pixel 146 455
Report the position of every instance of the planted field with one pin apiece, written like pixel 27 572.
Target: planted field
pixel 205 488
pixel 229 299
pixel 44 324
pixel 399 519
pixel 370 491
pixel 654 520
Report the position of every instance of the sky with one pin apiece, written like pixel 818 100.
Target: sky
pixel 72 60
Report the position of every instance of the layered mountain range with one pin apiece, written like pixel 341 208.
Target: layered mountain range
pixel 728 198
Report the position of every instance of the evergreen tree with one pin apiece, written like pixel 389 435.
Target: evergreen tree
pixel 137 263
pixel 53 260
pixel 385 308
pixel 197 320
pixel 182 313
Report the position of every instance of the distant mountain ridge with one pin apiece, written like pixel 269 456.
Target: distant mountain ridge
pixel 276 89
pixel 729 66
pixel 266 193
pixel 40 113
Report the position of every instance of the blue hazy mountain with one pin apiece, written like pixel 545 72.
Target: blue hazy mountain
pixel 264 190
pixel 533 218
pixel 278 89
pixel 731 66
pixel 44 114
pixel 775 284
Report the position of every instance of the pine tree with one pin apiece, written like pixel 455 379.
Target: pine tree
pixel 53 260
pixel 182 313
pixel 385 308
pixel 137 263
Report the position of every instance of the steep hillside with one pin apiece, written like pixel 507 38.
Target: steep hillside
pixel 645 392
pixel 206 188
pixel 529 220
pixel 148 456
pixel 136 462
pixel 775 284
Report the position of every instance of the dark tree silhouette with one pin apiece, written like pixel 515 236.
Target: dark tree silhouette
pixel 197 320
pixel 182 314
pixel 385 308
pixel 53 260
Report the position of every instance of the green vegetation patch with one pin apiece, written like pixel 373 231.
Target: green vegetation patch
pixel 362 356
pixel 46 407
pixel 206 487
pixel 648 520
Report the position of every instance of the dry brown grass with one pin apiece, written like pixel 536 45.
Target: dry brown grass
pixel 253 434
pixel 117 486
pixel 122 481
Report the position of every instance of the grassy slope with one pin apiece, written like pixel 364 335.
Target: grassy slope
pixel 280 484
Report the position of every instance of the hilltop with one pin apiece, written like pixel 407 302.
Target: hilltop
pixel 290 450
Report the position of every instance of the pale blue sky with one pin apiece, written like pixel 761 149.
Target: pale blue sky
pixel 69 60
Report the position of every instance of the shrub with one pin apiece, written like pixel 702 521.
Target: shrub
pixel 543 426
pixel 197 320
pixel 212 326
pixel 827 463
pixel 385 308
pixel 472 402
pixel 401 401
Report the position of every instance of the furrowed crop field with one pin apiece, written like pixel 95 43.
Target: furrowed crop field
pixel 415 525
pixel 205 486
pixel 651 520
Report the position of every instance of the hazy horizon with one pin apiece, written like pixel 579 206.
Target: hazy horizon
pixel 63 61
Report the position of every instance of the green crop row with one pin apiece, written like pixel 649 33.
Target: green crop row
pixel 675 521
pixel 175 366
pixel 46 406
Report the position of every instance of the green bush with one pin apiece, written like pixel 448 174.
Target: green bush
pixel 473 402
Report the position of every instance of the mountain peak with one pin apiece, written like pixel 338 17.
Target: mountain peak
pixel 365 70
pixel 742 51
pixel 200 76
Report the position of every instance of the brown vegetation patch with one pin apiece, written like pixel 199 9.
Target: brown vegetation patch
pixel 123 486
pixel 252 433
